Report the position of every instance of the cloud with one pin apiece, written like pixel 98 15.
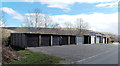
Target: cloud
pixel 97 21
pixel 64 4
pixel 2 24
pixel 113 4
pixel 12 13
pixel 19 0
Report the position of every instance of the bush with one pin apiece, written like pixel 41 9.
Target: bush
pixel 6 41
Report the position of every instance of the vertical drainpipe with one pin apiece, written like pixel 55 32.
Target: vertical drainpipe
pixel 68 40
pixel 39 40
pixel 51 40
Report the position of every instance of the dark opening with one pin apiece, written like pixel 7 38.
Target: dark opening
pixel 72 40
pixel 32 40
pixel 89 39
pixel 95 39
pixel 86 40
pixel 45 40
pixel 105 40
pixel 100 39
pixel 56 40
pixel 64 40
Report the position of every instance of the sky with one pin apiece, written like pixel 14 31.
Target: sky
pixel 102 15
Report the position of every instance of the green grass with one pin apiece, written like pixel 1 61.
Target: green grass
pixel 110 43
pixel 30 57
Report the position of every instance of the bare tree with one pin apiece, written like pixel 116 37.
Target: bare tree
pixel 2 19
pixel 82 26
pixel 47 21
pixel 36 19
pixel 55 25
pixel 68 25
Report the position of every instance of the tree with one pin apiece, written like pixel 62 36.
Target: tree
pixel 55 25
pixel 82 26
pixel 35 18
pixel 68 25
pixel 47 21
pixel 2 19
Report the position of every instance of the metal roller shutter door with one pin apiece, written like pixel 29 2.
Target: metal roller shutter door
pixel 56 40
pixel 64 40
pixel 97 40
pixel 45 40
pixel 79 40
pixel 32 40
pixel 92 39
pixel 72 39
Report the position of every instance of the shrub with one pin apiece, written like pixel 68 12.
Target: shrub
pixel 6 41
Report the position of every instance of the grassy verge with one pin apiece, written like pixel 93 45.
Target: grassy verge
pixel 110 43
pixel 30 57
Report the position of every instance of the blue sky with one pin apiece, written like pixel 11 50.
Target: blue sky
pixel 101 15
pixel 76 8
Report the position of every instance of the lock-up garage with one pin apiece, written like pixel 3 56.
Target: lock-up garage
pixel 54 37
pixel 32 40
pixel 45 40
pixel 87 39
pixel 93 38
pixel 56 40
pixel 79 40
pixel 72 39
pixel 37 40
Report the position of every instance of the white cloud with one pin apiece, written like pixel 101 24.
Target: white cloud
pixel 98 21
pixel 113 4
pixel 19 0
pixel 29 0
pixel 12 13
pixel 2 24
pixel 61 1
pixel 64 4
pixel 33 14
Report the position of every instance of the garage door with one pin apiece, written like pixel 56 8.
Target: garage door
pixel 72 40
pixel 32 40
pixel 56 40
pixel 64 40
pixel 45 40
pixel 87 39
pixel 92 39
pixel 104 40
pixel 97 40
pixel 79 40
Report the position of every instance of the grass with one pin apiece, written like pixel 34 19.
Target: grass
pixel 110 43
pixel 30 57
